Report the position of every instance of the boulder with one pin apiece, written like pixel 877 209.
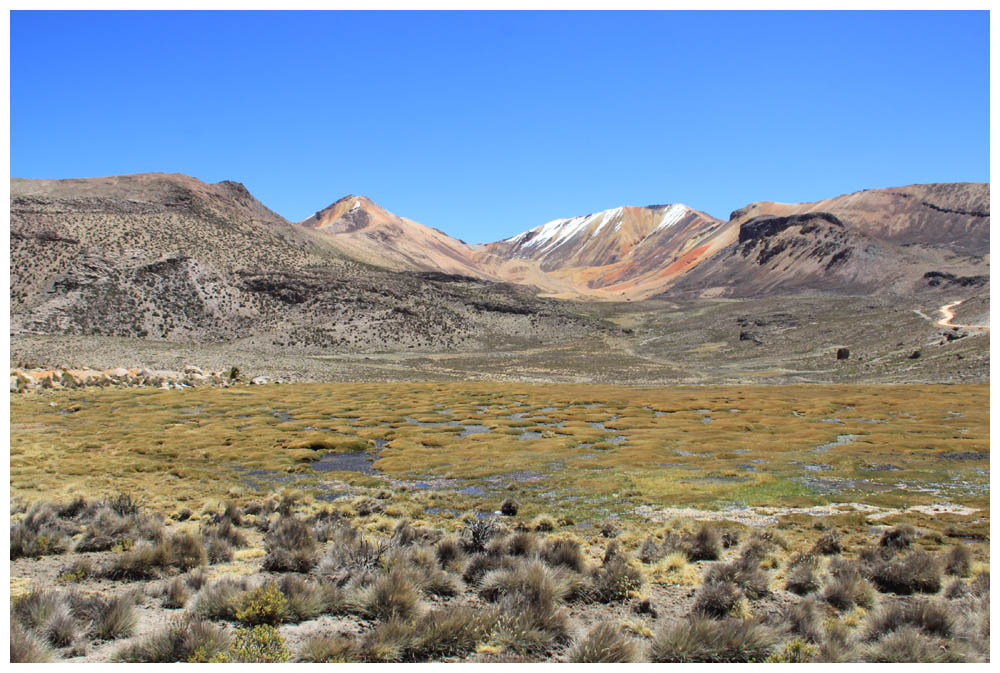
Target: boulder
pixel 118 372
pixel 191 369
pixel 259 381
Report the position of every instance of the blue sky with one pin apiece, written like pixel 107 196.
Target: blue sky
pixel 484 124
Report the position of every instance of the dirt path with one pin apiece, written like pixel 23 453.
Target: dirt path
pixel 949 315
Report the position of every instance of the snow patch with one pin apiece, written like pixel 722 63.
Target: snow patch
pixel 672 216
pixel 357 204
pixel 552 234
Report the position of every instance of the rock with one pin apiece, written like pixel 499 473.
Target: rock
pixel 191 369
pixel 196 379
pixel 14 384
pixel 259 381
pixel 118 373
pixel 914 355
pixel 843 353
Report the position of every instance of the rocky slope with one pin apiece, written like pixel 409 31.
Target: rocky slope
pixel 169 257
pixel 629 251
pixel 899 240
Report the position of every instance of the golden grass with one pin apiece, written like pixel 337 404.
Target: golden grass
pixel 187 448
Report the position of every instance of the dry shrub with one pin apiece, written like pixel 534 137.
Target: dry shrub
pixel 176 593
pixel 848 591
pixel 393 594
pixel 330 650
pixel 26 647
pixel 704 640
pixel 917 572
pixel 716 599
pixel 604 643
pixel 218 599
pixel 181 640
pixel 615 581
pixel 804 619
pixel 911 645
pixel 525 627
pixel 522 544
pixel 744 573
pixel 802 577
pixel 564 552
pixel 705 545
pixel 828 544
pixel 897 538
pixel 931 617
pixel 958 561
pixel 291 546
pixel 307 600
pixel 528 580
pixel 478 532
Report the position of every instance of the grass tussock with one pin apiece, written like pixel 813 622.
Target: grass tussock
pixel 958 561
pixel 291 546
pixel 911 645
pixel 183 639
pixel 28 648
pixel 330 650
pixel 698 640
pixel 605 643
pixel 705 545
pixel 716 600
pixel 916 572
pixel 931 617
pixel 393 594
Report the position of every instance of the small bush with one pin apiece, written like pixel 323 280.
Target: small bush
pixel 291 546
pixel 650 551
pixel 218 600
pixel 564 552
pixel 140 563
pixel 330 650
pixel 931 617
pixel 26 647
pixel 848 591
pixel 530 581
pixel 802 579
pixel 263 605
pixel 604 643
pixel 543 523
pixel 123 504
pixel 803 618
pixel 522 544
pixel 716 599
pixel 181 640
pixel 615 581
pixel 115 618
pixel 795 651
pixel 448 551
pixel 898 538
pixel 910 645
pixel 917 572
pixel 480 564
pixel 307 600
pixel 730 537
pixel 184 551
pixel 744 573
pixel 448 633
pixel 703 640
pixel 705 545
pixel 217 549
pixel 61 629
pixel 35 609
pixel 78 571
pixel 958 561
pixel 509 507
pixel 176 593
pixel 478 532
pixel 530 627
pixel 260 644
pixel 828 544
pixel 394 594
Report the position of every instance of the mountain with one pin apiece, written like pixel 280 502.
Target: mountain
pixel 899 240
pixel 371 234
pixel 168 257
pixel 629 252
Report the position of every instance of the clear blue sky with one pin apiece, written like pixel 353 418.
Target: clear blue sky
pixel 485 124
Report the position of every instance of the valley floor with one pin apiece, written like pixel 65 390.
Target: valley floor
pixel 482 521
